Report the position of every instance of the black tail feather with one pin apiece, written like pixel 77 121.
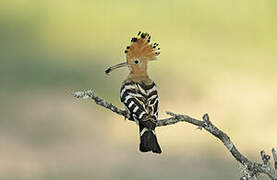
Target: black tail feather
pixel 148 141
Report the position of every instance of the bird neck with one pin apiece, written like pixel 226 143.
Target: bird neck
pixel 138 76
pixel 138 72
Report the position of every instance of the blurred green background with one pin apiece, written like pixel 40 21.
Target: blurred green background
pixel 216 56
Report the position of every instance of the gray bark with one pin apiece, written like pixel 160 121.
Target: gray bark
pixel 249 169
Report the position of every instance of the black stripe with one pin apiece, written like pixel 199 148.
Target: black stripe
pixel 153 93
pixel 130 90
pixel 126 84
pixel 156 106
pixel 139 111
pixel 123 87
pixel 131 109
pixel 153 100
pixel 143 116
pixel 156 116
pixel 138 114
pixel 129 83
pixel 133 90
pixel 151 108
pixel 141 93
pixel 146 87
pixel 142 84
pixel 126 93
pixel 136 103
pixel 140 101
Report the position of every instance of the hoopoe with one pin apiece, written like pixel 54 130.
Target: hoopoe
pixel 138 92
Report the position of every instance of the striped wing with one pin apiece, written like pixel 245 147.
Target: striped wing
pixel 140 100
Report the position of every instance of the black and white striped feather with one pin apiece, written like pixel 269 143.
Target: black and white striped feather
pixel 142 101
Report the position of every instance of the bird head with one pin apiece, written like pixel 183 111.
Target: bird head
pixel 138 54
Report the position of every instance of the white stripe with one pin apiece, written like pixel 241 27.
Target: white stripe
pixel 122 92
pixel 156 113
pixel 141 114
pixel 127 98
pixel 127 87
pixel 136 95
pixel 155 101
pixel 152 97
pixel 153 131
pixel 135 118
pixel 152 89
pixel 142 90
pixel 146 92
pixel 131 104
pixel 143 131
pixel 136 108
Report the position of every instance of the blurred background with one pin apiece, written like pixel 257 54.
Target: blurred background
pixel 216 56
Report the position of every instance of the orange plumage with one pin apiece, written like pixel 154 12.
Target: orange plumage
pixel 141 48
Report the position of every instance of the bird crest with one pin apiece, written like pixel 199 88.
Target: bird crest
pixel 138 53
pixel 142 48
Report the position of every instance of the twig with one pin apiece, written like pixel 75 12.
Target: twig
pixel 89 94
pixel 274 154
pixel 249 169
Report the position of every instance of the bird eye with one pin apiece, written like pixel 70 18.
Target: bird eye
pixel 136 61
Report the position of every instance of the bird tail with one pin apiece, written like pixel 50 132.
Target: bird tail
pixel 148 140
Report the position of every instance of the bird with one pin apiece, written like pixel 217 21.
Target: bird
pixel 138 92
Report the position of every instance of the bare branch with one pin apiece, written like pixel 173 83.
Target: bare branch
pixel 249 169
pixel 274 154
pixel 90 94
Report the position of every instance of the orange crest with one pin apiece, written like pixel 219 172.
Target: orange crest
pixel 141 48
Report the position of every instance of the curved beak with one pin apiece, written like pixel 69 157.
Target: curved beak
pixel 107 71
